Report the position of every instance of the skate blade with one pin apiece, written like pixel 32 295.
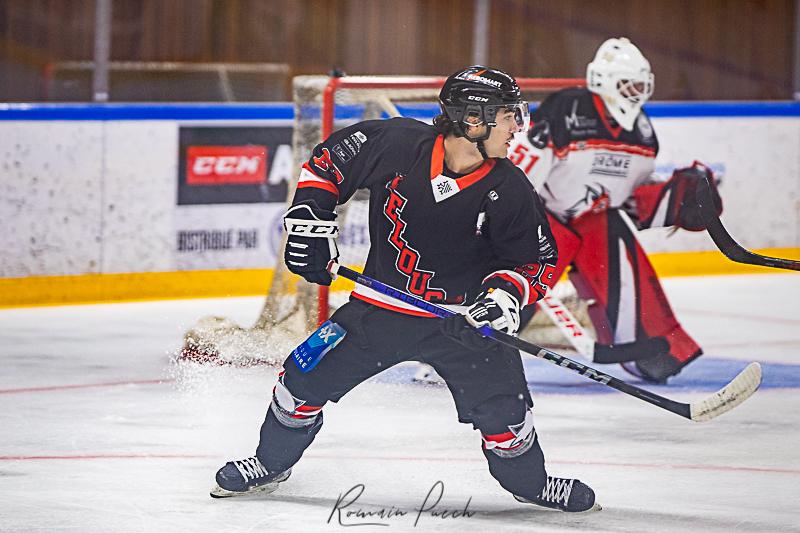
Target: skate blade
pixel 219 492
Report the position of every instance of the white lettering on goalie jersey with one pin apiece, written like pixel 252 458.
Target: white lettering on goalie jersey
pixel 610 164
pixel 588 175
pixel 591 171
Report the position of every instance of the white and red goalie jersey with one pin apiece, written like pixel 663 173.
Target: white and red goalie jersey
pixel 581 161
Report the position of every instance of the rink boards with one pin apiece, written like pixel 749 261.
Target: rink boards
pixel 106 202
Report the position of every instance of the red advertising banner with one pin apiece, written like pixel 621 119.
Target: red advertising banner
pixel 226 165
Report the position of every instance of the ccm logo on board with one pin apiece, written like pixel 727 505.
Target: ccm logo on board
pixel 226 165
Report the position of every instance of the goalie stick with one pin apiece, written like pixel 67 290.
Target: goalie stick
pixel 725 242
pixel 582 341
pixel 722 401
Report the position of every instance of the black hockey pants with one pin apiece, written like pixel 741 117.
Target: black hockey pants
pixel 489 389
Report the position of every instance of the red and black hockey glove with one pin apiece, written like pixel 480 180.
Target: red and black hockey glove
pixel 676 199
pixel 685 182
pixel 311 241
pixel 495 308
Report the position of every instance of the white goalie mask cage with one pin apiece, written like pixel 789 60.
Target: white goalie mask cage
pixel 621 76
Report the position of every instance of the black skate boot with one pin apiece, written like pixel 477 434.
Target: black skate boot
pixel 569 495
pixel 247 476
pixel 657 369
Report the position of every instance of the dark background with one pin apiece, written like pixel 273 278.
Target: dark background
pixel 699 49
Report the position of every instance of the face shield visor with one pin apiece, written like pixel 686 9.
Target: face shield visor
pixel 519 113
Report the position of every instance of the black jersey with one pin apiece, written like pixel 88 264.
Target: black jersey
pixel 595 164
pixel 437 235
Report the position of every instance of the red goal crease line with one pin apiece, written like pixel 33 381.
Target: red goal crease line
pixel 51 388
pixel 88 457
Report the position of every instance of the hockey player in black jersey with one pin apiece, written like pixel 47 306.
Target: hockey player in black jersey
pixel 454 222
pixel 595 148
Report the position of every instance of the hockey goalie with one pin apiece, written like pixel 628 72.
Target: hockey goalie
pixel 593 151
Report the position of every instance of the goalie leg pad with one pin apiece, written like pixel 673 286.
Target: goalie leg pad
pixel 630 303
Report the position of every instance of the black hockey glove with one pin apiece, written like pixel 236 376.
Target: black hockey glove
pixel 495 308
pixel 684 182
pixel 311 241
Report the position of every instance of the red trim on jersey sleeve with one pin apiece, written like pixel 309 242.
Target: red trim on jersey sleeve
pixel 614 146
pixel 330 188
pixel 309 179
pixel 524 292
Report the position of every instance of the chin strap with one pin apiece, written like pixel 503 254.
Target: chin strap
pixel 478 142
pixel 482 149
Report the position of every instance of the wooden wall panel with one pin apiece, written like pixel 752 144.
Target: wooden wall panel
pixel 723 49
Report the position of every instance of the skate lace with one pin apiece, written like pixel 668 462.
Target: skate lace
pixel 557 490
pixel 250 468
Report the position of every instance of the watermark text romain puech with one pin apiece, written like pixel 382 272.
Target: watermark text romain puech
pixel 346 511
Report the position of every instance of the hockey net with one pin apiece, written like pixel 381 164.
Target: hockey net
pixel 293 308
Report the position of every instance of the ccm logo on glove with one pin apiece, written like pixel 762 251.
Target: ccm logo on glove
pixel 311 241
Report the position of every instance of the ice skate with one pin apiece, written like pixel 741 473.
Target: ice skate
pixel 246 476
pixel 568 495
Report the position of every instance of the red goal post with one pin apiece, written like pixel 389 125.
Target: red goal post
pixel 406 85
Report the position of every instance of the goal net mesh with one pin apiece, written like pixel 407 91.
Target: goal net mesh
pixel 293 308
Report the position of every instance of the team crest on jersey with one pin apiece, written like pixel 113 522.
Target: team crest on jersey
pixel 408 259
pixel 577 123
pixel 325 164
pixel 597 200
pixel 444 187
pixel 644 128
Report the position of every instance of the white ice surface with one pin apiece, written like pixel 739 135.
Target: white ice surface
pixel 98 432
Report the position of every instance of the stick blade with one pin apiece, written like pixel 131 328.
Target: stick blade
pixel 741 388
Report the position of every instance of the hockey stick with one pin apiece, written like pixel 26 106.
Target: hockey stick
pixel 725 242
pixel 585 345
pixel 569 326
pixel 722 401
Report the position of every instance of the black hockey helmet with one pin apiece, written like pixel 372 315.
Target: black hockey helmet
pixel 477 93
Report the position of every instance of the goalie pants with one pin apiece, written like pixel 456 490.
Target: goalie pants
pixel 611 268
pixel 489 389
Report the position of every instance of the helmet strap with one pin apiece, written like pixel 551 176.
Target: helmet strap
pixel 482 149
pixel 460 131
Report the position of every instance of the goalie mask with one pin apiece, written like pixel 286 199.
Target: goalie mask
pixel 621 76
pixel 473 96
